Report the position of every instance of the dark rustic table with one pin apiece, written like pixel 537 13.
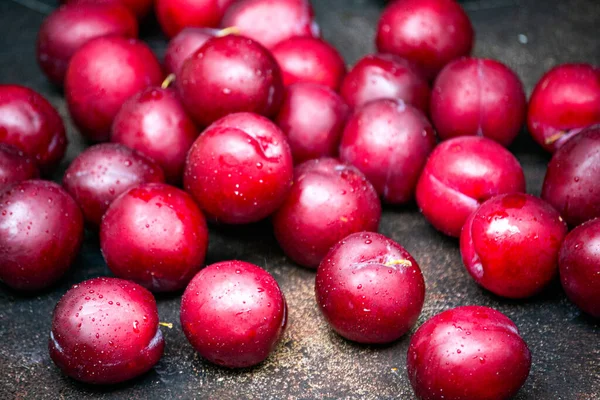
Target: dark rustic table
pixel 312 362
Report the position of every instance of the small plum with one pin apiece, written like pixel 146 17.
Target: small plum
pixel 565 100
pixel 15 166
pixel 308 59
pixel 176 15
pixel 233 313
pixel 328 201
pixel 230 74
pixel 102 172
pixel 510 244
pixel 240 169
pixel 184 45
pixel 29 122
pixel 106 331
pixel 101 76
pixel 468 353
pixel 430 33
pixel 389 142
pixel 478 97
pixel 41 230
pixel 140 8
pixel 460 174
pixel 312 117
pixel 370 289
pixel 385 76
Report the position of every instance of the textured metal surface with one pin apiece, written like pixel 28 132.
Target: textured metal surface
pixel 312 362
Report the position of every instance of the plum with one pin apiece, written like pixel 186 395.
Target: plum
pixel 510 244
pixel 460 174
pixel 184 45
pixel 468 353
pixel 369 288
pixel 102 172
pixel 140 8
pixel 389 142
pixel 312 117
pixel 328 201
pixel 176 15
pixel 41 230
pixel 15 166
pixel 233 313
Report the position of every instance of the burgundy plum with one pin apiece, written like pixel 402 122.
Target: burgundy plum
pixel 102 172
pixel 184 45
pixel 233 313
pixel 510 244
pixel 385 76
pixel 69 27
pixel 579 264
pixel 230 74
pixel 140 8
pixel 29 122
pixel 478 97
pixel 270 22
pixel 312 117
pixel 115 67
pixel 106 331
pixel 240 169
pixel 468 353
pixel 15 166
pixel 328 201
pixel 41 229
pixel 155 123
pixel 572 182
pixel 176 15
pixel 565 100
pixel 370 289
pixel 389 142
pixel 307 59
pixel 430 33
pixel 460 174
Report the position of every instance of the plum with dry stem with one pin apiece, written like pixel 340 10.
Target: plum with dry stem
pixel 15 166
pixel 184 45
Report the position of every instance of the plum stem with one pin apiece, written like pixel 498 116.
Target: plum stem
pixel 231 30
pixel 404 263
pixel 166 324
pixel 168 81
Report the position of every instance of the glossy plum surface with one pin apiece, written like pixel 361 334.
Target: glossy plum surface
pixel 102 172
pixel 69 27
pixel 240 169
pixel 385 76
pixel 565 100
pixel 155 123
pixel 579 265
pixel 572 182
pixel 230 74
pixel 155 235
pixel 308 59
pixel 270 22
pixel 15 166
pixel 41 230
pixel 233 313
pixel 478 97
pixel 115 67
pixel 183 45
pixel 29 122
pixel 369 288
pixel 140 8
pixel 510 244
pixel 468 353
pixel 312 117
pixel 460 174
pixel 429 32
pixel 389 141
pixel 328 201
pixel 176 15
pixel 105 331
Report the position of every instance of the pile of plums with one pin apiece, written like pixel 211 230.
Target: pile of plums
pixel 251 116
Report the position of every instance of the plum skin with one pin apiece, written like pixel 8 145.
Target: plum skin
pixel 176 15
pixel 233 313
pixel 140 8
pixel 571 183
pixel 155 235
pixel 184 45
pixel 41 230
pixel 510 245
pixel 15 166
pixel 328 201
pixel 468 353
pixel 105 331
pixel 389 142
pixel 369 288
pixel 460 174
pixel 102 172
pixel 579 266
pixel 480 97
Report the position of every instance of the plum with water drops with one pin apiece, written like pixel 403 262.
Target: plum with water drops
pixel 15 166
pixel 184 45
pixel 176 15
